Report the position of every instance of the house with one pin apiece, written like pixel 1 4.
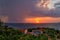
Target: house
pixel 24 31
pixel 35 31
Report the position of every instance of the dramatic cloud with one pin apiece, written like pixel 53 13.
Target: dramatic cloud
pixel 18 10
pixel 43 3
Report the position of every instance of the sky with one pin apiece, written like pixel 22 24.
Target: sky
pixel 30 11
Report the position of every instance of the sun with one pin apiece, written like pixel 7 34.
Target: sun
pixel 32 20
pixel 37 20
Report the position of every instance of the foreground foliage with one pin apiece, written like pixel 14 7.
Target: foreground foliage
pixel 7 33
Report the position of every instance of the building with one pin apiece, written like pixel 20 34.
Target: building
pixel 34 31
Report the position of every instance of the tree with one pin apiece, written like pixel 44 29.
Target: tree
pixel 1 23
pixel 44 37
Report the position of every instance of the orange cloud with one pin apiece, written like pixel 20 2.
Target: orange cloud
pixel 42 20
pixel 32 20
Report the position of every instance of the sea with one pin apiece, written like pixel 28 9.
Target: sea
pixel 33 25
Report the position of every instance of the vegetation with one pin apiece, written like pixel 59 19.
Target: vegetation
pixel 7 33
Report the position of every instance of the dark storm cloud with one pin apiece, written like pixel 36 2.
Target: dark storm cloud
pixel 17 10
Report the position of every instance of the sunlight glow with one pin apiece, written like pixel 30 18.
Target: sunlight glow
pixel 32 20
pixel 41 20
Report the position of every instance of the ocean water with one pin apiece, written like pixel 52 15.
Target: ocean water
pixel 33 25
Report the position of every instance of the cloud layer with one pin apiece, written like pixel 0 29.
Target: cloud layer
pixel 17 10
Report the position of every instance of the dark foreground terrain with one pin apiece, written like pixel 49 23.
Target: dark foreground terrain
pixel 7 33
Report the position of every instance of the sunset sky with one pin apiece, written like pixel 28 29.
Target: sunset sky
pixel 30 11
